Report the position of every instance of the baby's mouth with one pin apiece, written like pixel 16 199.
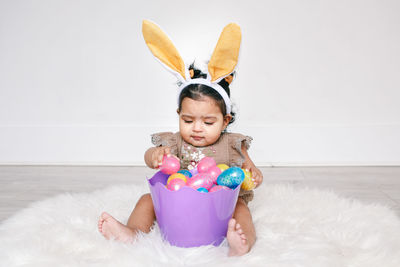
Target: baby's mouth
pixel 197 138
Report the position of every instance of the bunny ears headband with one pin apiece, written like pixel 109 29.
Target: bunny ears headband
pixel 222 63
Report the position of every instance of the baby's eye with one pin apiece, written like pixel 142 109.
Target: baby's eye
pixel 209 123
pixel 186 121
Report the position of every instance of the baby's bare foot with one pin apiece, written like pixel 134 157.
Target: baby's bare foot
pixel 238 243
pixel 110 228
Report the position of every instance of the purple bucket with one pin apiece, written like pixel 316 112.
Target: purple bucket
pixel 189 218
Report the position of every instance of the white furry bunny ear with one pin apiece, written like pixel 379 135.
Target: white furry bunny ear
pixel 226 53
pixel 163 49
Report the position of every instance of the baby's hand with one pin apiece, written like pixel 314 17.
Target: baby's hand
pixel 158 154
pixel 257 175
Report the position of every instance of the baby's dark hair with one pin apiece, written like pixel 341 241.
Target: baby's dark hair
pixel 198 91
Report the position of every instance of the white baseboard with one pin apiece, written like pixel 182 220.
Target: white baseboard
pixel 273 145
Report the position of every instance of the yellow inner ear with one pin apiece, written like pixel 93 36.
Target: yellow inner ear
pixel 226 54
pixel 162 47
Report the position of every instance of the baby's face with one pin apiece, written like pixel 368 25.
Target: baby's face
pixel 201 121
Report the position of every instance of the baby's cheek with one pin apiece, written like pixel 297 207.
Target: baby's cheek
pixel 213 138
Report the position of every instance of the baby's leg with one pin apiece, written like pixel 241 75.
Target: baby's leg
pixel 241 232
pixel 141 219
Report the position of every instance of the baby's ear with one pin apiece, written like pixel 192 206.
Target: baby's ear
pixel 227 119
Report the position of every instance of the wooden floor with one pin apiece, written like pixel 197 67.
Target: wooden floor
pixel 21 185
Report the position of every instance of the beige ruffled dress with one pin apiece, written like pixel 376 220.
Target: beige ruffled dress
pixel 226 150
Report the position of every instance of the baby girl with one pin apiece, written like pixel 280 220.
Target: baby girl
pixel 204 111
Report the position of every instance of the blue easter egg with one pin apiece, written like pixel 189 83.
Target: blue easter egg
pixel 202 189
pixel 186 173
pixel 231 177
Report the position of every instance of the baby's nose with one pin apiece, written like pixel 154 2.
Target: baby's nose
pixel 197 127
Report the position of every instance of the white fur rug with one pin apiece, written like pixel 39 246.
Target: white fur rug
pixel 295 227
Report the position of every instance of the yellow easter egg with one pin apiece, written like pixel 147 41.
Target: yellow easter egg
pixel 248 183
pixel 223 167
pixel 176 176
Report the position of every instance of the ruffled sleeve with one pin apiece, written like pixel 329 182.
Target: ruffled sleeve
pixel 166 139
pixel 235 140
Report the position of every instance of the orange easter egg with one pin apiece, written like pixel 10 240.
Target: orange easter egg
pixel 248 183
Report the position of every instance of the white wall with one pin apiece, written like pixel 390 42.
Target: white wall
pixel 318 81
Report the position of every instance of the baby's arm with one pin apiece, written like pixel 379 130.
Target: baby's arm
pixel 249 165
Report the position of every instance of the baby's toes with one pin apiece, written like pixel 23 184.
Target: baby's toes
pixel 243 237
pixel 238 226
pixel 100 223
pixel 232 225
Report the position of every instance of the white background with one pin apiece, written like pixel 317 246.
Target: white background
pixel 318 81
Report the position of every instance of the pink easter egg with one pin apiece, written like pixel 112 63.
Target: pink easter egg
pixel 176 184
pixel 170 165
pixel 205 164
pixel 218 187
pixel 200 180
pixel 214 172
pixel 176 176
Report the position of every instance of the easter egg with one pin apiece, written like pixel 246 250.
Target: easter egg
pixel 176 184
pixel 170 165
pixel 231 177
pixel 214 172
pixel 248 183
pixel 200 180
pixel 202 189
pixel 218 187
pixel 223 167
pixel 186 173
pixel 176 176
pixel 205 164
